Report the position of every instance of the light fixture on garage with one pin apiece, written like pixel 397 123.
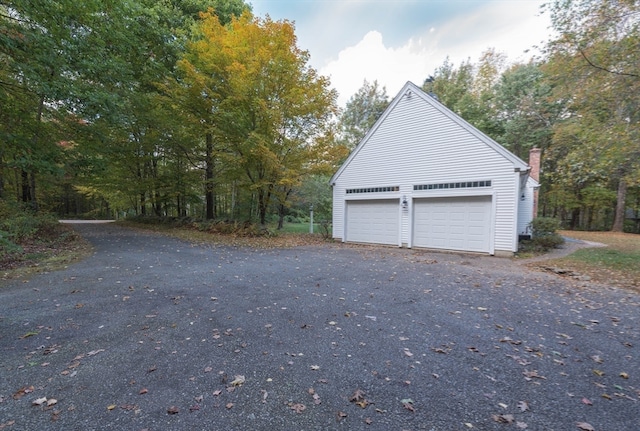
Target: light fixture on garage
pixel 405 203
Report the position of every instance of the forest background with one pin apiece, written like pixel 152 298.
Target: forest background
pixel 198 110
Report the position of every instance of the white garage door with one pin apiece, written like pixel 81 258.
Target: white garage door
pixel 453 223
pixel 375 221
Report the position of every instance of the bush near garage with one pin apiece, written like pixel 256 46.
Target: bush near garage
pixel 544 236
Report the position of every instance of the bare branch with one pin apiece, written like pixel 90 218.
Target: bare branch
pixel 604 68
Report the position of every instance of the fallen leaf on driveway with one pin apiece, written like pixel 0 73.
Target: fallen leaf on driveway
pixel 22 392
pixel 407 403
pixel 585 426
pixel 532 375
pixel 237 381
pixel 173 410
pixel 503 419
pixel 358 395
pixel 39 401
pixel 298 408
pixel 587 401
pixel 523 406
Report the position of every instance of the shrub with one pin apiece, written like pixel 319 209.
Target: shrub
pixel 7 247
pixel 542 226
pixel 19 225
pixel 325 229
pixel 544 235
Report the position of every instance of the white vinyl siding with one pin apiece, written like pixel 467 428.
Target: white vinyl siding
pixel 417 141
pixel 373 221
pixel 461 223
pixel 525 209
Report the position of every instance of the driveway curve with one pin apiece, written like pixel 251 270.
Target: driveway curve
pixel 153 333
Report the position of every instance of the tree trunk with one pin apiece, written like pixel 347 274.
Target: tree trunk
pixel 575 218
pixel 281 211
pixel 1 177
pixel 208 177
pixel 32 188
pixel 24 182
pixel 618 221
pixel 262 208
pixel 143 205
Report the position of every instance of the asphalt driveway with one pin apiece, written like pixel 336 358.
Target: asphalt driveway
pixel 154 333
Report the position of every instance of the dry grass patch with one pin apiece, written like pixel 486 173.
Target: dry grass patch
pixel 190 234
pixel 617 264
pixel 54 249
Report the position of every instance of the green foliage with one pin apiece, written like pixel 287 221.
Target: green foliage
pixel 469 90
pixel 545 236
pixel 593 64
pixel 7 246
pixel 19 226
pixel 362 110
pixel 155 108
pixel 326 229
pixel 542 226
pixel 524 109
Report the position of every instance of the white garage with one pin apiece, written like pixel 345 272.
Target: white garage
pixel 373 221
pixel 453 223
pixel 424 177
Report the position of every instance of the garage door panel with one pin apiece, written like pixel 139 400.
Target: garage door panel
pixel 373 221
pixel 461 223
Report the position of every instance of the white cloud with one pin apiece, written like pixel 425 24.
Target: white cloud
pixel 509 27
pixel 370 59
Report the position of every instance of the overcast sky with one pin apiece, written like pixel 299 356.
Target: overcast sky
pixel 395 41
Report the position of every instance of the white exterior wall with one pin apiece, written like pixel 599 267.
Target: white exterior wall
pixel 416 143
pixel 525 209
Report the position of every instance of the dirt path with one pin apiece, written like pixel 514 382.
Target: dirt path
pixel 154 333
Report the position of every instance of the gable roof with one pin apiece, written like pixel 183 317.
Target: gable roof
pixel 411 89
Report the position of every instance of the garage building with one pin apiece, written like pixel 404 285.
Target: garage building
pixel 424 177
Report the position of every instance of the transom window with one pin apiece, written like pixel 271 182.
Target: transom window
pixel 460 185
pixel 374 189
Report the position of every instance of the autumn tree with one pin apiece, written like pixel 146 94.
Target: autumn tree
pixel 594 66
pixel 361 111
pixel 469 89
pixel 263 106
pixel 525 108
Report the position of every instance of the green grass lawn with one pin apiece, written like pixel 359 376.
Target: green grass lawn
pixel 618 263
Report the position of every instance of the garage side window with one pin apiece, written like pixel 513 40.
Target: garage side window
pixel 460 185
pixel 374 189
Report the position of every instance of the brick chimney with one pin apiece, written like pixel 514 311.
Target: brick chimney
pixel 534 164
